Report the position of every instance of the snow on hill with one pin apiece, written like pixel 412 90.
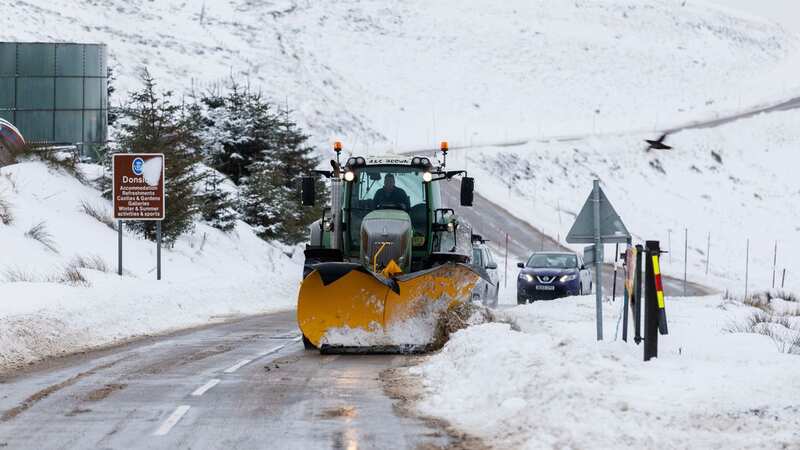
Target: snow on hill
pixel 735 182
pixel 407 74
pixel 59 291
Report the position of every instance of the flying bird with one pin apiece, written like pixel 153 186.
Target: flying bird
pixel 658 144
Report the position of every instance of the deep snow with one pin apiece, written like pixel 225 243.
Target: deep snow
pixel 207 276
pixel 553 386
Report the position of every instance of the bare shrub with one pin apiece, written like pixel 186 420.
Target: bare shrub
pixel 39 233
pixel 99 213
pixel 6 215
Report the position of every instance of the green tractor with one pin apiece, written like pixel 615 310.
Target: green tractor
pixel 386 253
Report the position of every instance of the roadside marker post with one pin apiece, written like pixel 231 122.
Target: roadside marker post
pixel 655 315
pixel 598 223
pixel 138 194
pixel 637 296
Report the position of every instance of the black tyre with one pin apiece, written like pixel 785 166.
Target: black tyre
pixel 307 344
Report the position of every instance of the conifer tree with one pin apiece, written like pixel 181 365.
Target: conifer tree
pixel 152 123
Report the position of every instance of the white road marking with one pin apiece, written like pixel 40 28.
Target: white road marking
pixel 204 388
pixel 271 351
pixel 172 420
pixel 238 365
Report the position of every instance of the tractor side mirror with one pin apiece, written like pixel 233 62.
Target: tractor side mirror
pixel 491 265
pixel 309 191
pixel 467 191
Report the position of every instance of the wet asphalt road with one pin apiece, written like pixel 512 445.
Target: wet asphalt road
pixel 242 385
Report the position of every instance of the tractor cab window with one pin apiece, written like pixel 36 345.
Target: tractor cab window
pixel 393 187
pixel 477 257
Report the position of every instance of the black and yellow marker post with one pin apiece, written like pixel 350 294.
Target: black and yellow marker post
pixel 655 314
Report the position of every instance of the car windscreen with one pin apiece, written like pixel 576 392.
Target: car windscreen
pixel 553 261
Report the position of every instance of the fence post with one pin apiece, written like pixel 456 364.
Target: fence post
pixel 774 263
pixel 685 257
pixel 783 278
pixel 708 252
pixel 746 268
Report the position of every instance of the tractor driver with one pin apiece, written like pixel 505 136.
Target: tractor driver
pixel 389 194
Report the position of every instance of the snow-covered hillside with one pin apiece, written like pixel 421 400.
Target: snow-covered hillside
pixel 735 182
pixel 381 74
pixel 47 309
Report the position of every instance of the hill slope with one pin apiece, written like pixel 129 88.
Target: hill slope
pixel 404 75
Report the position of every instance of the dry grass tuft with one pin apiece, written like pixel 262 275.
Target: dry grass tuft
pixel 92 262
pixel 6 215
pixel 457 318
pixel 39 233
pixel 57 159
pixel 99 213
pixel 71 276
pixel 17 275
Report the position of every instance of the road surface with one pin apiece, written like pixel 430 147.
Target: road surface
pixel 241 385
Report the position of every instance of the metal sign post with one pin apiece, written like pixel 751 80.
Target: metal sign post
pixel 138 194
pixel 598 223
pixel 598 260
pixel 119 247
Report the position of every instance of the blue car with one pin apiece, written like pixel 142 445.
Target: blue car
pixel 552 275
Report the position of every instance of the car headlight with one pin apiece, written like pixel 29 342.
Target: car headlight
pixel 527 277
pixel 566 278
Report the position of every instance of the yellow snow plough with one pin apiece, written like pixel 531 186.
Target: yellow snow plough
pixel 386 257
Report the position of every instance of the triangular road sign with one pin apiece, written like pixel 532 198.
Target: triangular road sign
pixel 612 230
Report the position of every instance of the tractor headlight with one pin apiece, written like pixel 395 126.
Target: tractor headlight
pixel 349 175
pixel 566 278
pixel 527 277
pixel 427 177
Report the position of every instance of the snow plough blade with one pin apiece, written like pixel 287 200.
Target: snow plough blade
pixel 343 308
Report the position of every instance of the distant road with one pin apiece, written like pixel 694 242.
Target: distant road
pixel 793 103
pixel 493 222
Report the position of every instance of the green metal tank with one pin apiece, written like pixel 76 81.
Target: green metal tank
pixel 55 92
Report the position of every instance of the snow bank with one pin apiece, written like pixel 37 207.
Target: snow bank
pixel 407 74
pixel 735 182
pixel 207 276
pixel 553 386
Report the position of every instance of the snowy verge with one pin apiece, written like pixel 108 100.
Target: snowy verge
pixel 553 386
pixel 59 291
